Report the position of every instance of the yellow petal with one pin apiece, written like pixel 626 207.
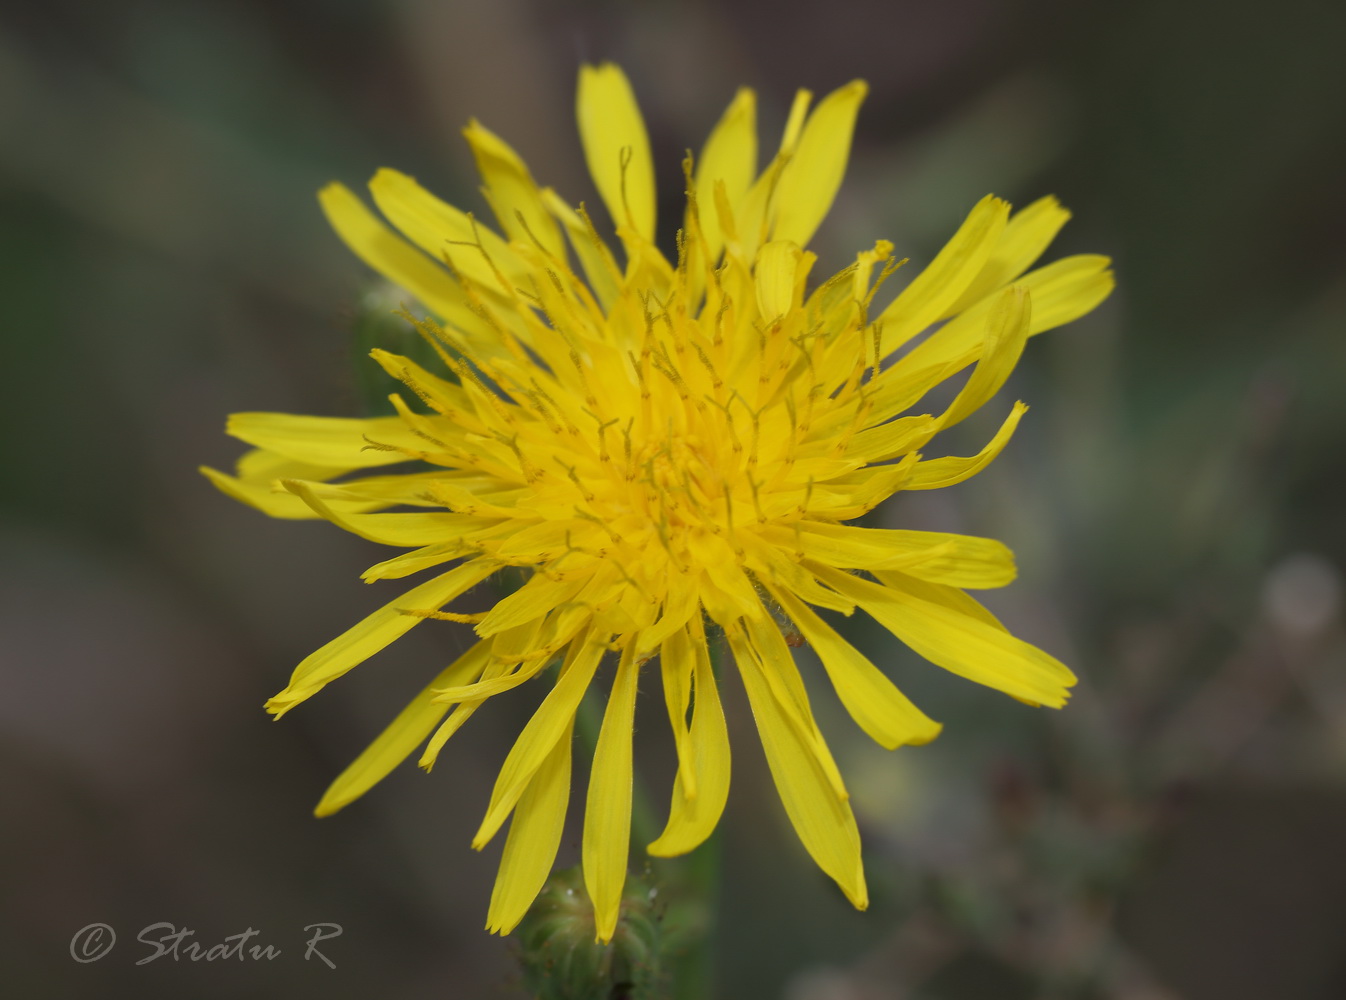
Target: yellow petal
pixel 409 563
pixel 957 641
pixel 677 662
pixel 1006 333
pixel 940 557
pixel 862 491
pixel 940 472
pixel 680 604
pixel 397 260
pixel 946 278
pixel 728 158
pixel 780 563
pixel 439 229
pixel 607 808
pixel 1062 291
pixel 447 398
pixel 400 489
pixel 349 443
pixel 261 465
pixel 417 528
pixel 617 147
pixel 774 656
pixel 810 180
pixel 958 601
pixel 752 215
pixel 507 650
pixel 533 600
pixel 359 643
pixel 512 192
pixel 260 491
pixel 774 273
pixel 600 267
pixel 823 821
pixel 534 836
pixel 403 735
pixel 891 439
pixel 876 705
pixel 549 723
pixel 1026 237
pixel 489 687
pixel 701 787
pixel 794 123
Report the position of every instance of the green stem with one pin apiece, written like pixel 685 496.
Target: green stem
pixel 697 973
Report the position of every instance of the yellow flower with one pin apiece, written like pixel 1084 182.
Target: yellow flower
pixel 663 444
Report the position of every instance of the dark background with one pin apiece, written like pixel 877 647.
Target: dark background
pixel 1175 495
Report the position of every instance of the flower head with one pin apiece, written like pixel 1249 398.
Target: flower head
pixel 662 446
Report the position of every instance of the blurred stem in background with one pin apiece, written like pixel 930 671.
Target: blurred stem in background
pixel 380 323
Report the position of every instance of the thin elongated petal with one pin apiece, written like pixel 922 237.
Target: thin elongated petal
pixel 896 437
pixel 261 493
pixel 873 701
pixel 600 267
pixel 937 473
pixel 358 644
pixel 729 158
pixel 617 147
pixel 1006 333
pixel 679 606
pixel 767 647
pixel 676 663
pixel 954 268
pixel 1027 235
pixel 534 837
pixel 777 264
pixel 958 601
pixel 607 809
pixel 419 528
pixel 339 442
pixel 1062 291
pixel 549 723
pixel 955 560
pixel 701 787
pixel 809 182
pixel 533 600
pixel 397 260
pixel 406 732
pixel 508 649
pixel 752 215
pixel 512 192
pixel 959 642
pixel 440 229
pixel 824 823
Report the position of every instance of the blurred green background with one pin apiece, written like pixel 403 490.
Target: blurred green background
pixel 1175 495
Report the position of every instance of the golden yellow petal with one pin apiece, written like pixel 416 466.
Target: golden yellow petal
pixel 617 147
pixel 607 808
pixel 957 641
pixel 946 278
pixel 823 821
pixel 729 158
pixel 701 786
pixel 402 736
pixel 876 705
pixel 512 192
pixel 549 723
pixel 810 180
pixel 534 837
pixel 362 641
